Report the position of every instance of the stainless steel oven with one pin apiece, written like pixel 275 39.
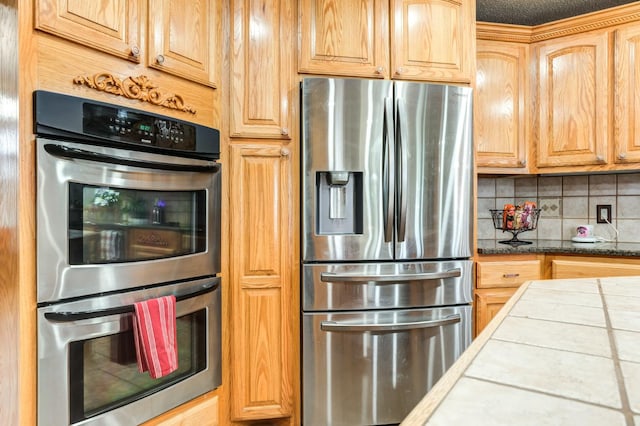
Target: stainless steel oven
pixel 87 371
pixel 116 207
pixel 128 209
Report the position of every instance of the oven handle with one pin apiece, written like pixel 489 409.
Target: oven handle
pixel 398 326
pixel 359 278
pixel 84 315
pixel 81 154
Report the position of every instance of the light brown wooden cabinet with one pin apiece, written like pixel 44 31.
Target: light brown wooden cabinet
pixel 262 322
pixel 201 411
pixel 261 69
pixel 430 40
pixel 574 102
pixel 497 279
pixel 591 267
pixel 181 37
pixel 501 106
pixel 627 95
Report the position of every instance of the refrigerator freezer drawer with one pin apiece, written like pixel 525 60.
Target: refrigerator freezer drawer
pixel 372 368
pixel 362 286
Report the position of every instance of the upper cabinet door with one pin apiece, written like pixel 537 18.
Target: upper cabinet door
pixel 112 26
pixel 183 38
pixel 501 103
pixel 262 70
pixel 573 101
pixel 344 37
pixel 432 40
pixel 627 95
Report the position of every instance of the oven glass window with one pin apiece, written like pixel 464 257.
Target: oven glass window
pixel 113 225
pixel 104 373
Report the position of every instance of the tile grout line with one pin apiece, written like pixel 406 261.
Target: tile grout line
pixel 624 397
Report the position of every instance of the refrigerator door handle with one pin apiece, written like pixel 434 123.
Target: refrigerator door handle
pixel 388 183
pixel 401 169
pixel 398 326
pixel 333 277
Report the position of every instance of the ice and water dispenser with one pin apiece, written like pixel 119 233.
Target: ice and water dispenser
pixel 339 202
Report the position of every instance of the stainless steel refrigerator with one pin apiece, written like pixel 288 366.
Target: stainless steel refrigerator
pixel 387 207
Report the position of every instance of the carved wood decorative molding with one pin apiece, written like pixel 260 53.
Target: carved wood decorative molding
pixel 141 88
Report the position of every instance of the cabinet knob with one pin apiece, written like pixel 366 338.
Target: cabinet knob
pixel 284 131
pixel 400 70
pixel 135 51
pixel 600 159
pixel 160 59
pixel 622 155
pixel 284 152
pixel 379 70
pixel 523 163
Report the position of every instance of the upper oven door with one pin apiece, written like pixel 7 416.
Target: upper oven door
pixel 111 219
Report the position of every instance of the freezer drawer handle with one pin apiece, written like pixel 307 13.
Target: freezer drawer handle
pixel 332 277
pixel 398 326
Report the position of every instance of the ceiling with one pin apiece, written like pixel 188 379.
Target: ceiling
pixel 536 12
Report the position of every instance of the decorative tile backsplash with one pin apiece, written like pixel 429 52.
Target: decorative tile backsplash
pixel 566 201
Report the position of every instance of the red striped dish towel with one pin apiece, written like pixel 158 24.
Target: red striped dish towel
pixel 154 331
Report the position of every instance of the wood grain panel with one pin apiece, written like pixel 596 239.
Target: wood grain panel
pixel 627 95
pixel 568 268
pixel 60 61
pixel 262 72
pixel 507 273
pixel 112 26
pixel 574 101
pixel 501 102
pixel 488 303
pixel 344 37
pixel 201 411
pixel 183 38
pixel 261 313
pixel 432 40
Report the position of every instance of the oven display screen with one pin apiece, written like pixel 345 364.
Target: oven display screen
pixel 114 225
pixel 105 373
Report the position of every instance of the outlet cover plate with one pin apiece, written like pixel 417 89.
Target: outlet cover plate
pixel 603 211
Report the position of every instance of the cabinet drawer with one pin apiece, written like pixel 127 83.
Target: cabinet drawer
pixel 590 269
pixel 507 274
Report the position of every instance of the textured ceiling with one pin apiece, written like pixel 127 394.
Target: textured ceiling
pixel 536 12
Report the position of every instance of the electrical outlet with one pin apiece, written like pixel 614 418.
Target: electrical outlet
pixel 603 213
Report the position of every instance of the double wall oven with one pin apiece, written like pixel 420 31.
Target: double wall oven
pixel 128 209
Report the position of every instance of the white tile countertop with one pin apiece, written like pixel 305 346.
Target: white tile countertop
pixel 561 352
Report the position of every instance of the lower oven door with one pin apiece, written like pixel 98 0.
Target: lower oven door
pixel 87 370
pixel 372 367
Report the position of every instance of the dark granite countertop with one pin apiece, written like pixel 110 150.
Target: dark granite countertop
pixel 560 247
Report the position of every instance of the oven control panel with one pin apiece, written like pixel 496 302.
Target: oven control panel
pixel 134 127
pixel 57 114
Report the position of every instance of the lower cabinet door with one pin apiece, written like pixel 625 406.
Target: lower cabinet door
pixel 488 303
pixel 263 322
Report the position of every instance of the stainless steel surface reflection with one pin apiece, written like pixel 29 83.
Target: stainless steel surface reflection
pixel 330 287
pixel 59 279
pixel 377 373
pixel 387 214
pixel 66 385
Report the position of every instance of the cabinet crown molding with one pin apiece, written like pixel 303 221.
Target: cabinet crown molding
pixel 579 24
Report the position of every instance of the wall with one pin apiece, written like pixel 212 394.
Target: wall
pixel 566 201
